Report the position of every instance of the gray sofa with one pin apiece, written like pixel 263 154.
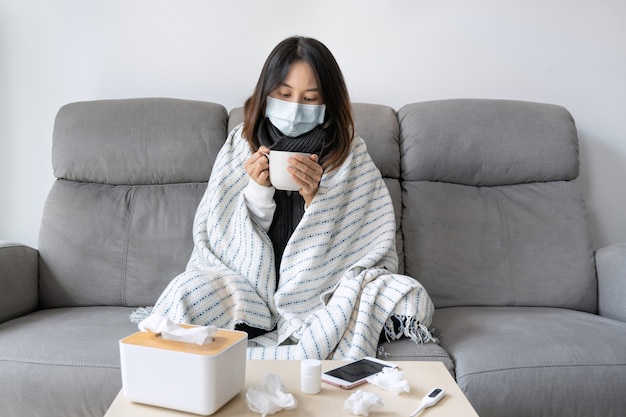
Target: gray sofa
pixel 531 319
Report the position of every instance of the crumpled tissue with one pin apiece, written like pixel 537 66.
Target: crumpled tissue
pixel 362 402
pixel 168 330
pixel 270 397
pixel 390 379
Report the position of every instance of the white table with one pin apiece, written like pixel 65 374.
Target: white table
pixel 422 377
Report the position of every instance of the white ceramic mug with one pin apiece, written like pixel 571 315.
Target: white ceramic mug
pixel 279 176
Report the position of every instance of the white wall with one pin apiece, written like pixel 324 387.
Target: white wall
pixel 394 52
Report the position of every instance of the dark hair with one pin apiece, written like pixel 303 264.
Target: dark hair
pixel 338 121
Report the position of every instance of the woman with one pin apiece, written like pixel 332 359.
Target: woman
pixel 299 81
pixel 308 274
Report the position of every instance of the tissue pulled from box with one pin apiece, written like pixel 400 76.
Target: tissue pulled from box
pixel 168 330
pixel 390 379
pixel 270 397
pixel 361 403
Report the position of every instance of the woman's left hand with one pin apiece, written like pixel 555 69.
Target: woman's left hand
pixel 307 173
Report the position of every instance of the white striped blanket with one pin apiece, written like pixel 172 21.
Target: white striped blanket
pixel 338 284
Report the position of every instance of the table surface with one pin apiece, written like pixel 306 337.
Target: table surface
pixel 422 378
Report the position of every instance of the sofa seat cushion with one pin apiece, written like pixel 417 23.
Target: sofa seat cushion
pixel 535 361
pixel 62 362
pixel 407 350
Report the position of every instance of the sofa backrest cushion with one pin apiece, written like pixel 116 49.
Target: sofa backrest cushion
pixel 117 223
pixel 490 214
pixel 137 141
pixel 488 142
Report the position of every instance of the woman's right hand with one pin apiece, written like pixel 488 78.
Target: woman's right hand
pixel 258 167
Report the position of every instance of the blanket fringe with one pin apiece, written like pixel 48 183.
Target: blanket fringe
pixel 141 313
pixel 398 326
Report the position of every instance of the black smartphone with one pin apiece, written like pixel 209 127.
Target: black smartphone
pixel 355 373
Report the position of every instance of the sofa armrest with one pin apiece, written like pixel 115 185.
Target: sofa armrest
pixel 611 269
pixel 19 278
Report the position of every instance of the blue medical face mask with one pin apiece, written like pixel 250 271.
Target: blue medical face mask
pixel 294 119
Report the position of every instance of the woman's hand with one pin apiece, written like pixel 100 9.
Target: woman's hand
pixel 307 173
pixel 258 167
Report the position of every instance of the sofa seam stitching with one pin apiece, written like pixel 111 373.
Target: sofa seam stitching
pixel 69 365
pixel 572 365
pixel 507 235
pixel 129 227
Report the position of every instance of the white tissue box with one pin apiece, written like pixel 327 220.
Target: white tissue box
pixel 183 376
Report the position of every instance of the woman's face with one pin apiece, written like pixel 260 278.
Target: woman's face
pixel 300 86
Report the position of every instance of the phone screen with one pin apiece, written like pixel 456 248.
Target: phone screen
pixel 355 371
